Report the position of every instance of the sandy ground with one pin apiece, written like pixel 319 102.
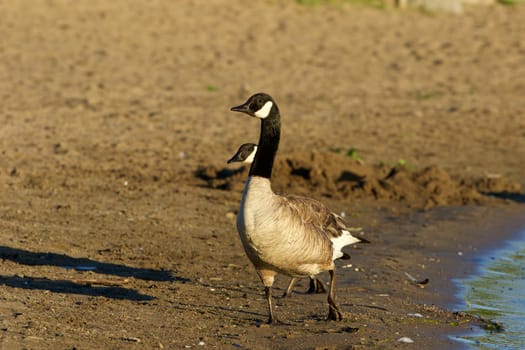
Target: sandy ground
pixel 117 210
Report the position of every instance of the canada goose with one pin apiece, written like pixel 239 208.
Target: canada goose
pixel 292 235
pixel 246 154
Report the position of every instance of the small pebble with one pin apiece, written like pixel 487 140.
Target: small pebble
pixel 405 340
pixel 131 339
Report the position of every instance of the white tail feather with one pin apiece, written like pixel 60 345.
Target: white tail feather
pixel 342 241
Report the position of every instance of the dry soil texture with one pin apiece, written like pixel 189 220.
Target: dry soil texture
pixel 117 211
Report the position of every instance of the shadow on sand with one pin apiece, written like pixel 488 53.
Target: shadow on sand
pixel 511 196
pixel 69 287
pixel 25 257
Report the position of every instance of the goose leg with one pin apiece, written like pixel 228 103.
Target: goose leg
pixel 289 290
pixel 267 277
pixel 316 286
pixel 333 310
pixel 272 319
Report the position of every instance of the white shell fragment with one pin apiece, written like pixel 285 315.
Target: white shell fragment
pixel 405 340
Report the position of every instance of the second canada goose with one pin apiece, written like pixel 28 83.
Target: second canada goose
pixel 292 235
pixel 246 154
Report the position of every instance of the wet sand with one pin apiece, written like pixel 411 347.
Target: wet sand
pixel 117 220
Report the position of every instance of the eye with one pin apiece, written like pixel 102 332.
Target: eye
pixel 255 105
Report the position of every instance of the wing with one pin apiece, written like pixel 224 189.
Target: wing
pixel 313 212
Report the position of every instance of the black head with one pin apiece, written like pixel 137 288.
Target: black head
pixel 260 105
pixel 245 153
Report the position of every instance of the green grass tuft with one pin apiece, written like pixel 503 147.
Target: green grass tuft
pixel 351 153
pixel 511 2
pixel 405 163
pixel 422 96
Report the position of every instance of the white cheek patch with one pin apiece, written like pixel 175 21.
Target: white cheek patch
pixel 250 158
pixel 264 112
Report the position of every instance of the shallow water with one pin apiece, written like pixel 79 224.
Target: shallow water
pixel 497 292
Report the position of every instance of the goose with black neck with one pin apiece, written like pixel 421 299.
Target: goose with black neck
pixel 285 234
pixel 245 154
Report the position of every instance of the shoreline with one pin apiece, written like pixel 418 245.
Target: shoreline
pixel 502 225
pixel 465 230
pixel 513 232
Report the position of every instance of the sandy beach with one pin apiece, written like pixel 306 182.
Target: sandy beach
pixel 117 210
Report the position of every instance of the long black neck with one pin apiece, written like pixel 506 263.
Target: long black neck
pixel 268 144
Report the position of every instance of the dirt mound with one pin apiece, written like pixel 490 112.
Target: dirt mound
pixel 337 176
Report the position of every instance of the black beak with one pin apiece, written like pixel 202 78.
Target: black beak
pixel 244 108
pixel 235 158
